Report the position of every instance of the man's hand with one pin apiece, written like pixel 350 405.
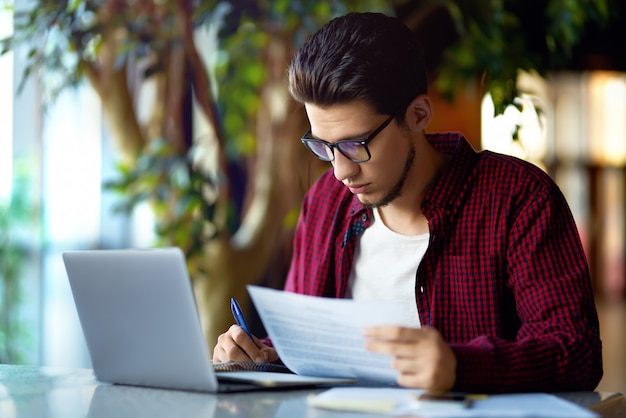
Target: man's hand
pixel 235 345
pixel 422 357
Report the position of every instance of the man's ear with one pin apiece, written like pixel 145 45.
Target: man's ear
pixel 419 113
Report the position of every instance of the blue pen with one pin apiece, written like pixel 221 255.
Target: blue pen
pixel 241 321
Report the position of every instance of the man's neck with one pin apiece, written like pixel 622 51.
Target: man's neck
pixel 404 214
pixel 403 222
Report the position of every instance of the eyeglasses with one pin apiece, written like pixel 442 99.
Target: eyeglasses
pixel 353 149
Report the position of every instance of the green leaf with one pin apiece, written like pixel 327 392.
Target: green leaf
pixel 73 5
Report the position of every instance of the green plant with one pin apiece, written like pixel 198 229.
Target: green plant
pixel 497 39
pixel 16 212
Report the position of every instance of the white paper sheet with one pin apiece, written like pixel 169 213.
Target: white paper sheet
pixel 402 402
pixel 322 336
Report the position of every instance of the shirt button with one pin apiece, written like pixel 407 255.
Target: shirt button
pixel 364 217
pixel 421 289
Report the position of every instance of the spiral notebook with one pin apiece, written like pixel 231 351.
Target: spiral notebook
pixel 139 318
pixel 249 366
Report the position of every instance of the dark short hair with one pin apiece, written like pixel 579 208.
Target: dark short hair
pixel 366 57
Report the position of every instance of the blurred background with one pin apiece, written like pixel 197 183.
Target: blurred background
pixel 147 123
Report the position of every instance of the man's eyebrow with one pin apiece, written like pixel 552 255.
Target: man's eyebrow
pixel 357 137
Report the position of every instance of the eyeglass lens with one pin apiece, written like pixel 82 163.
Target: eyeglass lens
pixel 354 150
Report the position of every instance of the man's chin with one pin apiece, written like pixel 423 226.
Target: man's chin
pixel 368 203
pixel 373 202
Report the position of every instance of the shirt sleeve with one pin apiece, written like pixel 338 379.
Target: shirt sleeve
pixel 557 347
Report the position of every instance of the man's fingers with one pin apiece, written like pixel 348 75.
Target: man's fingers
pixel 406 364
pixel 421 356
pixel 388 332
pixel 236 345
pixel 394 348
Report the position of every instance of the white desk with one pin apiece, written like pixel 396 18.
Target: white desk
pixel 33 392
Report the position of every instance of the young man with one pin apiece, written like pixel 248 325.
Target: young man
pixel 480 249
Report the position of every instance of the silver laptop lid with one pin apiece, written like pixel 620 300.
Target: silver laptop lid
pixel 139 317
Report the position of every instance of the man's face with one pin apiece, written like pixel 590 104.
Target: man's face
pixel 380 180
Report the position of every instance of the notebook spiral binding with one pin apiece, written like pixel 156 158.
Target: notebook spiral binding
pixel 249 366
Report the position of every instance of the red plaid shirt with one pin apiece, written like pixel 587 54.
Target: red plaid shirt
pixel 504 279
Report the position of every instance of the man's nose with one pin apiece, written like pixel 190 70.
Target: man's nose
pixel 344 168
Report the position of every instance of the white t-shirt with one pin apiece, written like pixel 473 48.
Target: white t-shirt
pixel 385 267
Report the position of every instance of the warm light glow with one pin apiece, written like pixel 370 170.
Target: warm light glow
pixel 589 122
pixel 607 124
pixel 570 118
pixel 497 132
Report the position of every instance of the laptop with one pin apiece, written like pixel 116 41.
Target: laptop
pixel 140 321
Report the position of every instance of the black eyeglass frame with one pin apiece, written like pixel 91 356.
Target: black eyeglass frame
pixel 306 139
